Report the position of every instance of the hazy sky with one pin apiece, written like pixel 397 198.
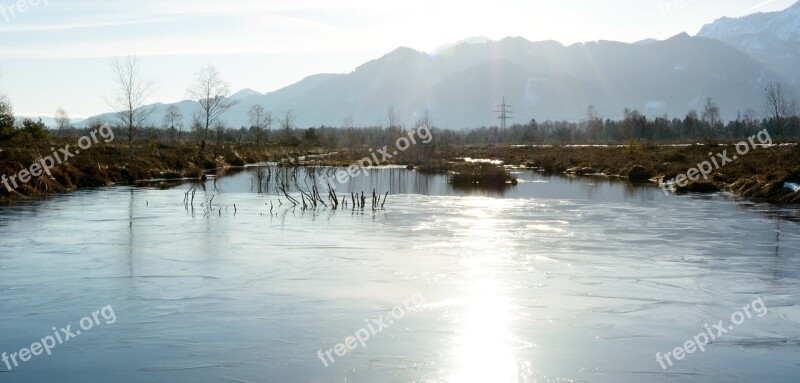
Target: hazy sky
pixel 57 53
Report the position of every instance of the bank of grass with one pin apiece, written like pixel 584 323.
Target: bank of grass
pixel 109 163
pixel 759 175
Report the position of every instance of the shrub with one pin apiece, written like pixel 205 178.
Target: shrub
pixel 482 175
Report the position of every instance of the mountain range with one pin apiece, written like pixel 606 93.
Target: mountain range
pixel 461 84
pixel 773 38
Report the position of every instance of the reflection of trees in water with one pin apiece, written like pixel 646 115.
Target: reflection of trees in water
pixel 780 266
pixel 130 234
pixel 269 180
pixel 776 212
pixel 272 179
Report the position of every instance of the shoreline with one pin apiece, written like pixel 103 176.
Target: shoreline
pixel 759 177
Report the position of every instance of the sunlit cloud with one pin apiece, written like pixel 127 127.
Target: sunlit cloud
pixel 759 6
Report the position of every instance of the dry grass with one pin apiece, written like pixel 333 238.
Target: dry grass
pixel 108 164
pixel 758 175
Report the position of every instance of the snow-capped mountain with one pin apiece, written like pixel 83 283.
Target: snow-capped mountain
pixel 461 85
pixel 772 38
pixel 782 25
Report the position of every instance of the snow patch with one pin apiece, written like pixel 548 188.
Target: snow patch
pixel 532 97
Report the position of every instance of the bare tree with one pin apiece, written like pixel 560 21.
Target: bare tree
pixel 131 93
pixel 594 124
pixel 777 105
pixel 348 122
pixel 287 124
pixel 197 124
pixel 349 126
pixel 711 113
pixel 591 113
pixel 393 117
pixel 7 119
pixel 62 120
pixel 395 128
pixel 219 135
pixel 173 120
pixel 713 117
pixel 422 151
pixel 260 120
pixel 211 92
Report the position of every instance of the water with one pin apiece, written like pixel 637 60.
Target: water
pixel 554 280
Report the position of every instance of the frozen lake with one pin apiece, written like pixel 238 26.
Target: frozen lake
pixel 554 280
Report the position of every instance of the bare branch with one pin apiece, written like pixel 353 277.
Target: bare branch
pixel 211 92
pixel 62 119
pixel 130 96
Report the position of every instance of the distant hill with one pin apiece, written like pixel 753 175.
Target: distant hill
pixel 471 40
pixel 245 93
pixel 51 122
pixel 462 84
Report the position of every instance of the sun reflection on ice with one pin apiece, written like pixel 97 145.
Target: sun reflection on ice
pixel 483 350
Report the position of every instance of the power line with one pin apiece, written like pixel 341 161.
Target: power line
pixel 504 114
